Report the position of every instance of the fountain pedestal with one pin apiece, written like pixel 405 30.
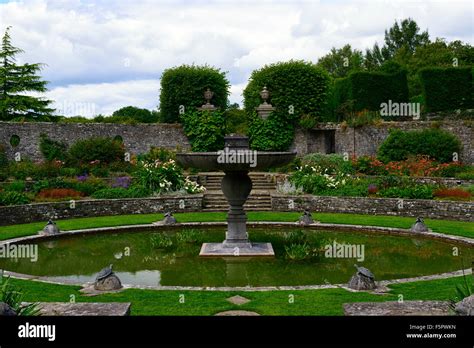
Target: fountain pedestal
pixel 236 186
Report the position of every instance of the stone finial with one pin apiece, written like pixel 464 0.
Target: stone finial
pixel 419 226
pixel 51 228
pixel 265 94
pixel 264 109
pixel 208 94
pixel 306 218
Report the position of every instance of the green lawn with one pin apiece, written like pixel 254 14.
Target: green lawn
pixel 459 228
pixel 306 302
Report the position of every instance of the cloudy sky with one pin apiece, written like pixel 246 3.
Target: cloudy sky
pixel 102 55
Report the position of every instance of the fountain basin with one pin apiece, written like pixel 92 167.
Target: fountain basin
pixel 209 161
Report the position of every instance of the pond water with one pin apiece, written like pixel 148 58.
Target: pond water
pixel 139 260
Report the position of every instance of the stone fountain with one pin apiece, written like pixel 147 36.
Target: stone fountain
pixel 235 160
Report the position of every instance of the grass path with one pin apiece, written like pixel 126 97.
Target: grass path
pixel 306 302
pixel 465 229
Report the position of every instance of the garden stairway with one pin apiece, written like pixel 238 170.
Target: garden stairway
pixel 259 199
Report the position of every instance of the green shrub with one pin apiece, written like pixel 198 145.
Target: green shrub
pixel 447 88
pixel 157 153
pixel 160 177
pixel 411 192
pixel 469 175
pixel 17 186
pixel 13 198
pixel 102 149
pixel 185 85
pixel 27 169
pixel 3 157
pixel 120 192
pixel 367 90
pixel 273 134
pixel 333 163
pixel 299 90
pixel 52 149
pixel 438 144
pixel 204 129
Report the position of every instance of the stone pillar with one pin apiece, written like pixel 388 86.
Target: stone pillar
pixel 236 187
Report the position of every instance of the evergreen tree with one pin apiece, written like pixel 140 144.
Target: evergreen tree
pixel 15 81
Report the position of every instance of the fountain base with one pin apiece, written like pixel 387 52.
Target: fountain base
pixel 237 249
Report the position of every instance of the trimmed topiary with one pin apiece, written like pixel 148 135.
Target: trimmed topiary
pixel 185 85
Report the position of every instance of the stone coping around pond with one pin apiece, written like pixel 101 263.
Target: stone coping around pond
pixel 425 208
pixel 315 226
pixel 116 309
pixel 395 308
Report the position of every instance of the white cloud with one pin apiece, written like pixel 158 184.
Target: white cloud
pixel 94 46
pixel 104 98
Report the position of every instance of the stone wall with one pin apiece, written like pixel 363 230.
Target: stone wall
pixel 325 138
pixel 137 138
pixel 448 210
pixel 88 208
pixel 367 139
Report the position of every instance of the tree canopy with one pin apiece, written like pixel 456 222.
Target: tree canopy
pixel 16 80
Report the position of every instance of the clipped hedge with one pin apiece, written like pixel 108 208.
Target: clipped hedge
pixel 367 90
pixel 102 149
pixel 185 85
pixel 299 91
pixel 300 84
pixel 433 142
pixel 447 88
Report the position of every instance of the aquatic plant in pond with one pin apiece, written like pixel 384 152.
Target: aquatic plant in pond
pixel 171 258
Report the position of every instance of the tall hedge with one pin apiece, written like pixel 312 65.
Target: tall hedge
pixel 367 90
pixel 435 143
pixel 298 89
pixel 447 88
pixel 185 85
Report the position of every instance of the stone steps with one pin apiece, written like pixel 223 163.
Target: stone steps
pixel 259 199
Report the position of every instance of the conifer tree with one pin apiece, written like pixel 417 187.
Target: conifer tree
pixel 15 82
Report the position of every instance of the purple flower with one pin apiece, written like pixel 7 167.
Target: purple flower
pixel 82 178
pixel 122 181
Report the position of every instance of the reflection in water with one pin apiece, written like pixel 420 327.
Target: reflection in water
pixel 138 262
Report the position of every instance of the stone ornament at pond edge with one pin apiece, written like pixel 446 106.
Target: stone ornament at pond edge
pixel 362 280
pixel 50 229
pixel 107 280
pixel 6 310
pixel 466 306
pixel 169 219
pixel 306 218
pixel 419 226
